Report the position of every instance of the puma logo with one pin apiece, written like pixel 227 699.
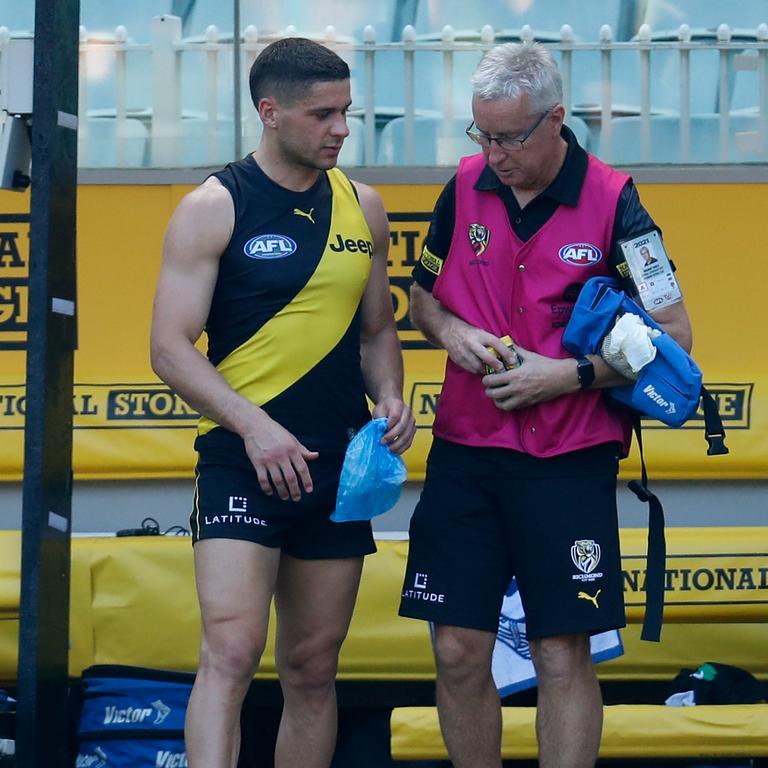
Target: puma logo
pixel 299 212
pixel 585 596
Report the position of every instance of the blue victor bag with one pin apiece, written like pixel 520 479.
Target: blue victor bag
pixel 132 753
pixel 669 388
pixel 132 717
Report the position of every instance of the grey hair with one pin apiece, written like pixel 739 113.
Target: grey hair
pixel 510 70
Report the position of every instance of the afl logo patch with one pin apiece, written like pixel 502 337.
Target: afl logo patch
pixel 580 254
pixel 269 247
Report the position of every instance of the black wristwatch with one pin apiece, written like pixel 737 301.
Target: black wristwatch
pixel 585 370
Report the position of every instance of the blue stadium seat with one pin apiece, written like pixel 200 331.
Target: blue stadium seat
pixel 310 18
pixel 587 81
pixel 199 149
pixel 18 17
pixel 429 90
pixel 546 17
pixel 585 18
pixel 353 151
pixel 434 147
pixel 580 129
pixel 704 78
pixel 703 17
pixel 746 83
pixel 135 16
pixel 704 74
pixel 196 147
pixel 390 83
pixel 431 145
pixel 100 146
pixel 665 146
pixel 707 14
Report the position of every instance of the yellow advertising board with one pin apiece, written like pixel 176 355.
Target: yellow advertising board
pixel 716 607
pixel 129 425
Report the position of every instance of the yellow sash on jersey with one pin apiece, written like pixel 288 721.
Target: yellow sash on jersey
pixel 299 336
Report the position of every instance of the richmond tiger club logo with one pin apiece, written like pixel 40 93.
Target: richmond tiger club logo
pixel 585 554
pixel 479 237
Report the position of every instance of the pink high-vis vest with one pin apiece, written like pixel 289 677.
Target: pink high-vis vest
pixel 497 282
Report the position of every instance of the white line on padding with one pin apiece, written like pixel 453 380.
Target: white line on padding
pixel 62 306
pixel 67 120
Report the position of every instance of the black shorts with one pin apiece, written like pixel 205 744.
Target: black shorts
pixel 229 504
pixel 487 514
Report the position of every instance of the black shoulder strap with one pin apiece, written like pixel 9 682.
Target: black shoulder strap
pixel 657 548
pixel 656 556
pixel 713 425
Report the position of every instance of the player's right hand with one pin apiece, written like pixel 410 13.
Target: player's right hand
pixel 280 460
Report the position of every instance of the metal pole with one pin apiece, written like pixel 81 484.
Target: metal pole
pixel 41 728
pixel 237 78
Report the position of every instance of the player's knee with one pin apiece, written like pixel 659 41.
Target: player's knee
pixel 557 659
pixel 231 655
pixel 461 654
pixel 309 666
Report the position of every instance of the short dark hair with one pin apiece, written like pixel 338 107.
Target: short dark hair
pixel 291 66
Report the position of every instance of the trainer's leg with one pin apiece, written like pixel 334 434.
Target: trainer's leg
pixel 235 582
pixel 314 600
pixel 569 716
pixel 467 700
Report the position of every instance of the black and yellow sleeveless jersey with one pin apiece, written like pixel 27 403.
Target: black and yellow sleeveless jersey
pixel 284 323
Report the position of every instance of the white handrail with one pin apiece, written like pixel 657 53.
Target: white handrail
pixel 724 36
pixel 166 90
pixel 606 102
pixel 409 40
pixel 369 102
pixel 444 58
pixel 762 35
pixel 212 49
pixel 684 35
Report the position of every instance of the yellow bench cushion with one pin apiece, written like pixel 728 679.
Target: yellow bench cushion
pixel 133 602
pixel 629 730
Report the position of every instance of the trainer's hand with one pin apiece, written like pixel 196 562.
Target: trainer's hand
pixel 538 379
pixel 279 459
pixel 466 346
pixel 401 426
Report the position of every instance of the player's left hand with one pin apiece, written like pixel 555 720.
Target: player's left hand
pixel 538 379
pixel 401 426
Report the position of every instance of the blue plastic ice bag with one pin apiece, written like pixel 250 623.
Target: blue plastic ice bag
pixel 371 476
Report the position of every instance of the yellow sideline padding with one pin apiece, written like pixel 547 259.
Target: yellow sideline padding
pixel 10 568
pixel 133 602
pixel 127 424
pixel 81 634
pixel 629 731
pixel 725 568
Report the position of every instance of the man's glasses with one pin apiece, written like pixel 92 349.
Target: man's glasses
pixel 506 143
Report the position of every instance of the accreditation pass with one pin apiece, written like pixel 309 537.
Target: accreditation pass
pixel 651 271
